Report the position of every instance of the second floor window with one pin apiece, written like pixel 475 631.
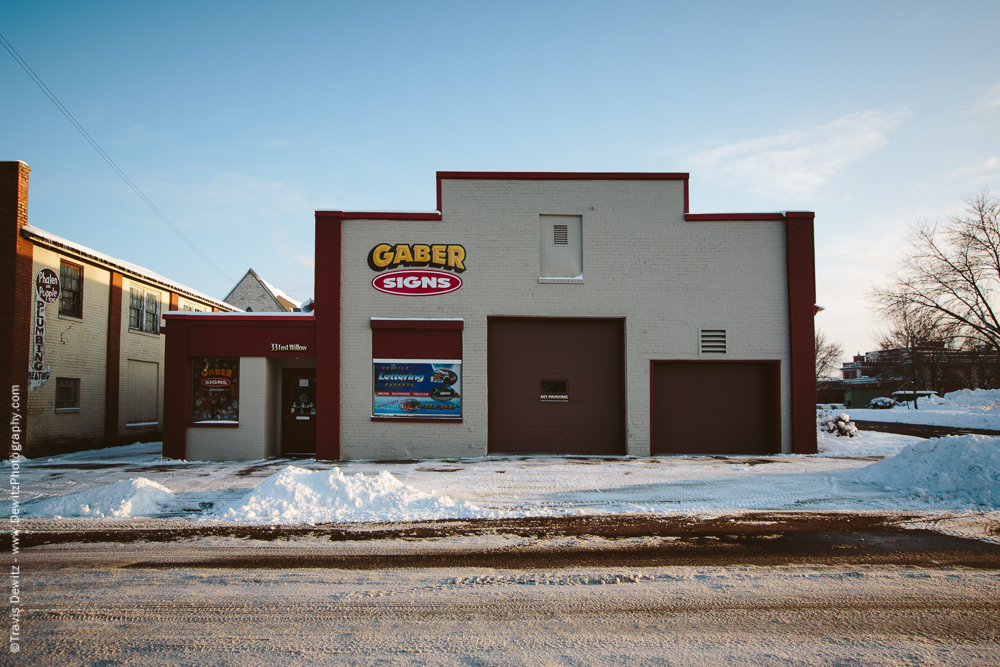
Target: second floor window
pixel 71 295
pixel 144 311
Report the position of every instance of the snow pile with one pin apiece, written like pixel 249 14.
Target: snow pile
pixel 984 399
pixel 295 495
pixel 124 498
pixel 957 469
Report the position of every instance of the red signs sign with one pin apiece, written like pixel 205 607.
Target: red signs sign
pixel 417 282
pixel 47 285
pixel 214 383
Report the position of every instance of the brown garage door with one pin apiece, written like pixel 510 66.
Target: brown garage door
pixel 715 407
pixel 556 386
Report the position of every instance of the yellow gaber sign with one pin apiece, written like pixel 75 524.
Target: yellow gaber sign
pixel 385 256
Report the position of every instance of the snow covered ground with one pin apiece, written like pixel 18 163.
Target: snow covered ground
pixel 961 409
pixel 957 478
pixel 91 597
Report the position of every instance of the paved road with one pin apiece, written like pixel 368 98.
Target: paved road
pixel 750 539
pixel 837 589
pixel 921 430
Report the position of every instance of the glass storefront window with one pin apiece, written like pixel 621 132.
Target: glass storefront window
pixel 215 390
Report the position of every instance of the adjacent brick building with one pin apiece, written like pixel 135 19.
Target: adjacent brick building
pixel 254 294
pixel 531 313
pixel 82 342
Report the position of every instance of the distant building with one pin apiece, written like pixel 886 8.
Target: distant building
pixel 82 345
pixel 254 294
pixel 931 367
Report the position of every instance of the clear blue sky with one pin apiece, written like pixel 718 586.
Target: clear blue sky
pixel 239 119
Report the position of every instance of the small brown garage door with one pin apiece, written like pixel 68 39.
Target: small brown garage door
pixel 531 410
pixel 715 407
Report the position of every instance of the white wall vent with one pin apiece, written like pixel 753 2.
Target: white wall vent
pixel 713 342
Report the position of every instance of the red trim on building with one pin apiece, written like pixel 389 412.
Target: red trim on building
pixel 175 389
pixel 174 301
pixel 112 378
pixel 238 337
pixel 562 176
pixel 237 317
pixel 329 232
pixel 16 297
pixel 801 275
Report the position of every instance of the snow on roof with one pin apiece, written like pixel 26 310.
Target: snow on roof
pixel 129 267
pixel 279 294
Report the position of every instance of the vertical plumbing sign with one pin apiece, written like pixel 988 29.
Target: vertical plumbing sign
pixel 46 291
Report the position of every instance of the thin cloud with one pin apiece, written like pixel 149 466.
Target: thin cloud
pixel 988 103
pixel 975 175
pixel 799 162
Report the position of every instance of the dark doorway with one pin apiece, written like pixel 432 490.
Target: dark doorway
pixel 298 411
pixel 715 407
pixel 556 386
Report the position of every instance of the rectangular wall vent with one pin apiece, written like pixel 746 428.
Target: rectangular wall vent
pixel 713 341
pixel 560 234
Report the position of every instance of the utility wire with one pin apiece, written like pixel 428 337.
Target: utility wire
pixel 59 105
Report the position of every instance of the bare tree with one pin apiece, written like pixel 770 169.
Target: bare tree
pixel 917 347
pixel 828 356
pixel 952 275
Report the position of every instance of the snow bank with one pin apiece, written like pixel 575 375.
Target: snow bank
pixel 985 399
pixel 295 495
pixel 124 498
pixel 957 469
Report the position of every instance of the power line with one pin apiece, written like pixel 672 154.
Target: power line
pixel 65 112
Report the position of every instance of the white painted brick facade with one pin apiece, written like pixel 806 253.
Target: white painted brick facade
pixel 642 261
pixel 250 441
pixel 78 348
pixel 74 348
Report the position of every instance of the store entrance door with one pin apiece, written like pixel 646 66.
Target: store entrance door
pixel 298 411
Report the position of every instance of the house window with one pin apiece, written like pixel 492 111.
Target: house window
pixel 67 393
pixel 71 284
pixel 144 310
pixel 215 390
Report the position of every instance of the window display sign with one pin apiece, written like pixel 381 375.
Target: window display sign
pixel 215 391
pixel 417 388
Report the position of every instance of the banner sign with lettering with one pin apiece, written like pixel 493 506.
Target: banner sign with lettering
pixel 46 291
pixel 417 388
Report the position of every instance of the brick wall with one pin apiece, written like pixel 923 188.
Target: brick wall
pixel 74 348
pixel 250 293
pixel 642 261
pixel 16 296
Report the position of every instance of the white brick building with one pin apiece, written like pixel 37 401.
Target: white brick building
pixel 532 313
pixel 88 357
